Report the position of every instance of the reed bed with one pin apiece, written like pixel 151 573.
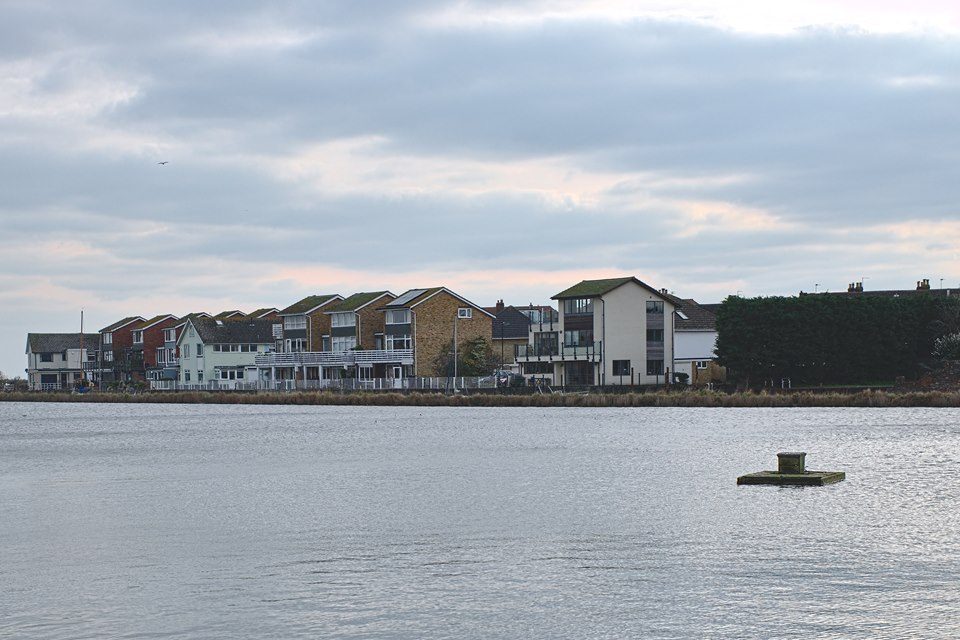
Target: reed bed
pixel 684 398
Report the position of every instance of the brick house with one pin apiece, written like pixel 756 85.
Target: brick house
pixel 615 331
pixel 116 359
pixel 356 324
pixel 149 339
pixel 425 322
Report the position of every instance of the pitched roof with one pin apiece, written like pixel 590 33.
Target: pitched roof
pixel 57 342
pixel 697 317
pixel 154 320
pixel 121 323
pixel 309 303
pixel 594 288
pixel 357 300
pixel 248 331
pixel 510 324
pixel 192 316
pixel 413 297
pixel 223 315
pixel 266 311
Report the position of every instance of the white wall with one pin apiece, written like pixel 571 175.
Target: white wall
pixel 695 345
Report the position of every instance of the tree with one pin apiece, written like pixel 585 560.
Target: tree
pixel 947 347
pixel 474 358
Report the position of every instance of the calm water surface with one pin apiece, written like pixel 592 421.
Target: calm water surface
pixel 200 521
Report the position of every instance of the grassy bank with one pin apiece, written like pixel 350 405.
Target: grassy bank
pixel 867 398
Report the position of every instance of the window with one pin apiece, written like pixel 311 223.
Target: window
pixel 325 343
pixel 223 374
pixel 344 343
pixel 654 367
pixel 239 374
pixel 295 345
pixel 46 357
pixel 654 306
pixel 161 356
pixel 398 316
pixel 200 376
pixel 108 338
pixel 186 376
pixel 169 335
pixel 578 306
pixel 621 367
pixel 345 319
pixel 185 351
pixel 702 364
pixel 682 315
pixel 465 313
pixel 199 349
pixel 654 335
pixel 365 373
pixel 217 348
pixel 138 337
pixel 398 342
pixel 580 338
pixel 108 356
pixel 295 322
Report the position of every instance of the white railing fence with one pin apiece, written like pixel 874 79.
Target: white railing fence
pixel 345 384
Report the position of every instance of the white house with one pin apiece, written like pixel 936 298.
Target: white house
pixel 221 355
pixel 696 341
pixel 57 361
pixel 617 331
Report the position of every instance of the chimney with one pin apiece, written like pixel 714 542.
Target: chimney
pixel 851 288
pixel 923 285
pixel 499 306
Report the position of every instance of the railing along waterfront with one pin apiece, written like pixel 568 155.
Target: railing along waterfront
pixel 335 358
pixel 419 383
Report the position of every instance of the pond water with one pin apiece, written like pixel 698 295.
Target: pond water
pixel 200 521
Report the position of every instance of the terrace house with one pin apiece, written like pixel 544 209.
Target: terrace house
pixel 148 345
pixel 616 331
pixel 116 358
pixel 301 329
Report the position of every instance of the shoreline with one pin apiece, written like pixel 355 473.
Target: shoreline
pixel 867 398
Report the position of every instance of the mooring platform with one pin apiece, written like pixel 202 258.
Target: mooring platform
pixel 791 471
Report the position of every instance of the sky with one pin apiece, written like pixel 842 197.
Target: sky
pixel 506 150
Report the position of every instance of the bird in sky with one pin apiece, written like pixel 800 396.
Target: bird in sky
pixel 164 162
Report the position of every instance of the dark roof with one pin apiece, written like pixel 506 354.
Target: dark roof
pixel 308 304
pixel 712 307
pixel 57 342
pixel 259 313
pixel 357 300
pixel 121 323
pixel 192 316
pixel 238 332
pixel 697 318
pixel 413 297
pixel 223 315
pixel 510 324
pixel 152 321
pixel 594 288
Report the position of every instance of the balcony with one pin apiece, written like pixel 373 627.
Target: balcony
pixel 591 352
pixel 335 358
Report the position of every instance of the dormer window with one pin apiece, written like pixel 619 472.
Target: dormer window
pixel 398 316
pixel 465 313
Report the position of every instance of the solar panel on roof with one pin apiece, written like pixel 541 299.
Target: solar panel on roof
pixel 407 297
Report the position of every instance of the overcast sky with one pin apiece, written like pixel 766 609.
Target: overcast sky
pixel 504 149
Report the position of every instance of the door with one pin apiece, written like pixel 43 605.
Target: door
pixel 397 377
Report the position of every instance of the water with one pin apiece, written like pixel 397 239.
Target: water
pixel 253 521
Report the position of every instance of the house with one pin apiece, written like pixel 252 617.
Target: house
pixel 423 322
pixel 357 324
pixel 56 361
pixel 615 331
pixel 222 355
pixel 230 315
pixel 695 336
pixel 511 329
pixel 301 328
pixel 923 288
pixel 149 338
pixel 117 359
pixel 167 373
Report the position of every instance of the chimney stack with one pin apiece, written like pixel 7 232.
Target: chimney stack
pixel 923 285
pixel 499 306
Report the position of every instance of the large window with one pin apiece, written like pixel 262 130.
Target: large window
pixel 46 357
pixel 398 342
pixel 398 316
pixel 654 335
pixel 295 322
pixel 578 306
pixel 621 367
pixel 545 343
pixel 580 338
pixel 654 367
pixel 345 319
pixel 138 337
pixel 169 335
pixel 108 338
pixel 161 356
pixel 344 343
pixel 199 349
pixel 654 306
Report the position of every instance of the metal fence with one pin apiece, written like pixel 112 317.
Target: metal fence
pixel 345 384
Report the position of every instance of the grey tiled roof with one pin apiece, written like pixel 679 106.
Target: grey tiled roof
pixel 510 324
pixel 120 323
pixel 237 332
pixel 698 318
pixel 58 342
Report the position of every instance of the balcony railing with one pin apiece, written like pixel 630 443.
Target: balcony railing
pixel 589 352
pixel 335 358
